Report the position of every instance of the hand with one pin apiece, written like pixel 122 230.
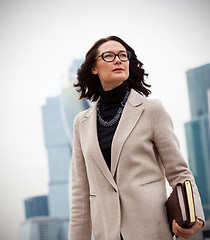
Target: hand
pixel 186 233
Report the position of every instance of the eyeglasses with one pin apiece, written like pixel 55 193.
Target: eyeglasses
pixel 110 56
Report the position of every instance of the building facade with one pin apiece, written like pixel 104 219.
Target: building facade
pixel 197 131
pixel 36 206
pixel 58 116
pixel 43 228
pixel 59 154
pixel 198 81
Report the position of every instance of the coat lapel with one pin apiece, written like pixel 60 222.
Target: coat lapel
pixel 90 130
pixel 131 113
pixel 130 116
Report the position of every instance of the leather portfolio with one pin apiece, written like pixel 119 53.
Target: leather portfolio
pixel 180 205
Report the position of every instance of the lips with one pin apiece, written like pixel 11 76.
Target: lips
pixel 118 70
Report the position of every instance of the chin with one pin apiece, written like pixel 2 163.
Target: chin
pixel 120 78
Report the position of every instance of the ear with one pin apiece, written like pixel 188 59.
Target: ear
pixel 94 71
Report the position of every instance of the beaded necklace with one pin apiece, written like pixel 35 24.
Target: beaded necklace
pixel 116 117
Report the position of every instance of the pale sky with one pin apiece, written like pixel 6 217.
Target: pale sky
pixel 40 38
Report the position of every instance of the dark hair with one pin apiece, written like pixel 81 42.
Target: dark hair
pixel 88 83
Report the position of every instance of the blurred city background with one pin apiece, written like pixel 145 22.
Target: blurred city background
pixel 41 46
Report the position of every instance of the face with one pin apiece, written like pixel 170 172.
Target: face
pixel 111 74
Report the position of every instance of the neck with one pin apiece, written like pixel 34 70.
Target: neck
pixel 114 96
pixel 108 87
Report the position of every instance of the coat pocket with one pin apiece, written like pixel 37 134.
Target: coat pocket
pixel 151 181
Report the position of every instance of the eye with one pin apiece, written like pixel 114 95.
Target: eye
pixel 123 55
pixel 108 55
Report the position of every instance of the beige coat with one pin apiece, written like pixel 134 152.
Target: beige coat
pixel 129 199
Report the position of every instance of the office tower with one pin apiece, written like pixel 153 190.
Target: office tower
pixel 58 116
pixel 54 227
pixel 70 105
pixel 38 225
pixel 59 154
pixel 42 228
pixel 36 206
pixel 197 137
pixel 76 63
pixel 197 131
pixel 206 230
pixel 198 81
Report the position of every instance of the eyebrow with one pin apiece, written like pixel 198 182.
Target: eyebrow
pixel 114 51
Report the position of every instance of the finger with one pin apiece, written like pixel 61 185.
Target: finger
pixel 200 222
pixel 181 232
pixel 186 233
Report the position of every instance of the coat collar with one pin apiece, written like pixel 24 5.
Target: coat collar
pixel 130 116
pixel 135 99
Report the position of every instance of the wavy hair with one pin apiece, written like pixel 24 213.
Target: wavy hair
pixel 88 83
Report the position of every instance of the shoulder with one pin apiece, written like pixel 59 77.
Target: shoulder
pixel 154 105
pixel 148 103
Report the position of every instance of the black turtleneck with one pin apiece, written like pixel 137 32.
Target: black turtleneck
pixel 110 102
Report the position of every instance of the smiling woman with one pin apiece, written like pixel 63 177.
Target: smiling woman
pixel 123 149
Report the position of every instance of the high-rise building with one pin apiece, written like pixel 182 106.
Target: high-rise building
pixel 43 228
pixel 36 206
pixel 58 116
pixel 206 230
pixel 198 81
pixel 70 105
pixel 197 131
pixel 197 137
pixel 59 154
pixel 38 225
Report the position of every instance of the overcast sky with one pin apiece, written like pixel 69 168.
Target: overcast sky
pixel 38 41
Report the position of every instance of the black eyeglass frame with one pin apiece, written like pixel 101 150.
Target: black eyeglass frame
pixel 116 55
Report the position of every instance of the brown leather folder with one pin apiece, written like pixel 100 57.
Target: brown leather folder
pixel 180 205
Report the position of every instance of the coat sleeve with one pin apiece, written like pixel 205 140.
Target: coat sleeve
pixel 176 168
pixel 80 221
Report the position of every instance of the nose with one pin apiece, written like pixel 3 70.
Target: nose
pixel 117 60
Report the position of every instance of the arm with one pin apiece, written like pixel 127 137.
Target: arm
pixel 176 168
pixel 80 221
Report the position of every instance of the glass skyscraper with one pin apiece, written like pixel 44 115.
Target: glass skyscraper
pixel 38 225
pixel 59 154
pixel 43 228
pixel 197 131
pixel 198 81
pixel 70 105
pixel 58 116
pixel 36 206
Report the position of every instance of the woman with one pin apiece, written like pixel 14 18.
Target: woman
pixel 124 147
